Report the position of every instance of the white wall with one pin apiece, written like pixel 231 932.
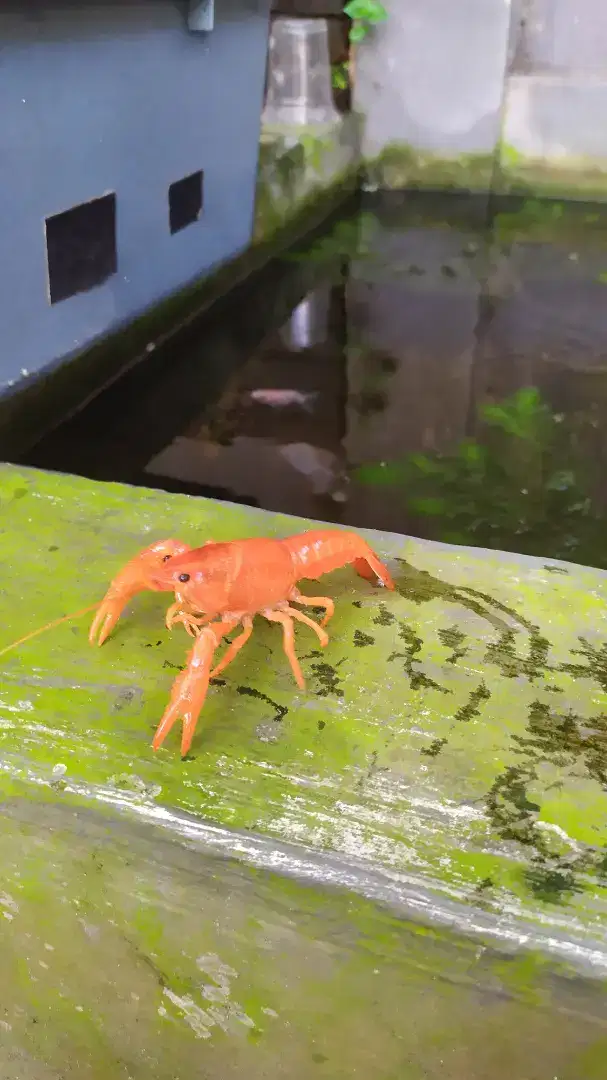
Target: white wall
pixel 453 77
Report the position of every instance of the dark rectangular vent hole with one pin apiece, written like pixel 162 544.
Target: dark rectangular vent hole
pixel 81 247
pixel 185 201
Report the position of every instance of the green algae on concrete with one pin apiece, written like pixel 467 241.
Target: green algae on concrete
pixel 126 956
pixel 401 165
pixel 298 166
pixel 418 843
pixel 569 177
pixel 452 734
pixel 506 172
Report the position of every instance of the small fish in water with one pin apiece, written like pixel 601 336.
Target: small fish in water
pixel 281 399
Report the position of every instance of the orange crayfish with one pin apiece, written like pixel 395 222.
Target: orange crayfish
pixel 221 586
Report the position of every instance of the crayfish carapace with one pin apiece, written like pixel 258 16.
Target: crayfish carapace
pixel 221 586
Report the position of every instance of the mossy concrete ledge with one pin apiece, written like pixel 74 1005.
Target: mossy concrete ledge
pixel 401 166
pixel 420 833
pixel 299 165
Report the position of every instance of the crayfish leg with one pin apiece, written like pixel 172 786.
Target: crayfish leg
pixel 315 601
pixel 288 640
pixel 234 647
pixel 191 685
pixel 300 617
pixel 192 623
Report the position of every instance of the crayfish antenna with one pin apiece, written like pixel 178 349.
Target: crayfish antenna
pixel 48 626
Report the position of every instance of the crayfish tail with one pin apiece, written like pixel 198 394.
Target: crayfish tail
pixel 372 569
pixel 320 551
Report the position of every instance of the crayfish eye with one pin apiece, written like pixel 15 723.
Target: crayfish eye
pixel 184 577
pixel 166 558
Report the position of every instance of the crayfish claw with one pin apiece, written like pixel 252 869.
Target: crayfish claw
pixel 106 617
pixel 137 575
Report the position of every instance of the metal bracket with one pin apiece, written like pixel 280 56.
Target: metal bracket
pixel 201 16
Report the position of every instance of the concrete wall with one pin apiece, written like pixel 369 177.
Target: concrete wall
pixel 481 93
pixel 119 96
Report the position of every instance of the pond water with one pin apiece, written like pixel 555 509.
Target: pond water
pixel 431 364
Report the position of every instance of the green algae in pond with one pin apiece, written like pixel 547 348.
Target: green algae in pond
pixel 527 484
pixel 400 752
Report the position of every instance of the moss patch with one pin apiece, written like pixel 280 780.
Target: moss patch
pixel 402 166
pixel 570 178
pixel 297 166
pixel 144 959
pixel 507 172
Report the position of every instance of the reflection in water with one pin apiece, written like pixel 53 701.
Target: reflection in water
pixel 443 309
pixel 308 325
pixel 274 437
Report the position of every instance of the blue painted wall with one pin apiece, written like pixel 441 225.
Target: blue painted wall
pixel 120 96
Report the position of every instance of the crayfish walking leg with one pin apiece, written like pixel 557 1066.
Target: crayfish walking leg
pixel 286 617
pixel 235 646
pixel 315 601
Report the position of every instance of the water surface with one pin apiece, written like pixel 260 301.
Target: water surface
pixel 385 347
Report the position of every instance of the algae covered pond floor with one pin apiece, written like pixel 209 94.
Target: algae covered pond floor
pixel 434 365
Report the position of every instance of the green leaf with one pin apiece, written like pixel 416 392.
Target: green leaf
pixel 383 474
pixel 429 506
pixel 371 11
pixel 340 76
pixel 453 536
pixel 425 465
pixel 471 452
pixel 358 31
pixel 527 400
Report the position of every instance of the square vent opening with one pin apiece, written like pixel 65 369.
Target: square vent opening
pixel 185 201
pixel 81 247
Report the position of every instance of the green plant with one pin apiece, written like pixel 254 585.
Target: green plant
pixel 364 14
pixel 340 75
pixel 524 486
